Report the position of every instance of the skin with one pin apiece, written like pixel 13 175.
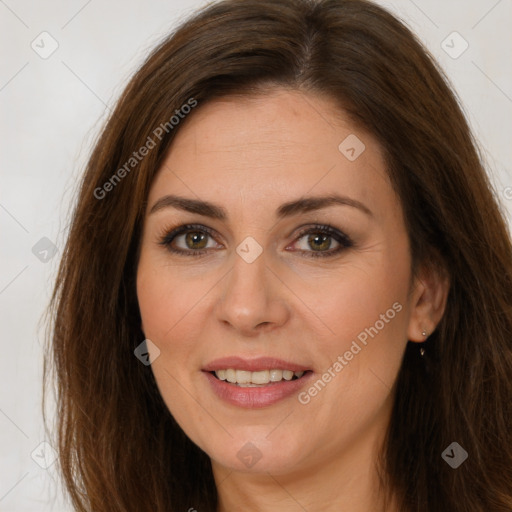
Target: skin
pixel 249 155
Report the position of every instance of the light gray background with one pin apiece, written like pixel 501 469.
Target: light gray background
pixel 52 108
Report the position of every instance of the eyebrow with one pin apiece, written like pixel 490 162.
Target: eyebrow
pixel 301 205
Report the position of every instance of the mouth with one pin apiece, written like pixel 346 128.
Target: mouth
pixel 262 378
pixel 256 383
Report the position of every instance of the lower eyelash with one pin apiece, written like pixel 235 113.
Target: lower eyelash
pixel 344 241
pixel 188 253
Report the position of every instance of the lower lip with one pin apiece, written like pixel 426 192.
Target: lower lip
pixel 256 397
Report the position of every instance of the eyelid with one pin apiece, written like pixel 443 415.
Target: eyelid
pixel 344 241
pixel 168 235
pixel 321 228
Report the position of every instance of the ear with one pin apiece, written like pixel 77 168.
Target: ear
pixel 429 295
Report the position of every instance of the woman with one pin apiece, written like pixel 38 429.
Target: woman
pixel 287 280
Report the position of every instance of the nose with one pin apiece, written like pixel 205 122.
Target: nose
pixel 253 299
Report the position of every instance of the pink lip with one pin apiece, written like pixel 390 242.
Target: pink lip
pixel 254 365
pixel 253 398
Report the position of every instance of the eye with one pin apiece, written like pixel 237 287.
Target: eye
pixel 196 240
pixel 189 240
pixel 322 241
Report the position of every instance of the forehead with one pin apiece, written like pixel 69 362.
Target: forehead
pixel 281 144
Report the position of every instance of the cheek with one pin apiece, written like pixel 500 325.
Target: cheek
pixel 365 309
pixel 167 299
pixel 367 291
pixel 170 311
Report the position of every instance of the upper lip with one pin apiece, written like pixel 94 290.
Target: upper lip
pixel 253 365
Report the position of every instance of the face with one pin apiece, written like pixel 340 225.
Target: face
pixel 274 248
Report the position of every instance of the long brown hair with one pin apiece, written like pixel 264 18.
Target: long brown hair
pixel 119 447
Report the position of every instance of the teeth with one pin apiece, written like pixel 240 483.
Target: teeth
pixel 276 375
pixel 287 375
pixel 243 377
pixel 260 377
pixel 251 379
pixel 221 374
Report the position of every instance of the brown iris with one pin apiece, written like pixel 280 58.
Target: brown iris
pixel 196 237
pixel 319 242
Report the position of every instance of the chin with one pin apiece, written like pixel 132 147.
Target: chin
pixel 255 452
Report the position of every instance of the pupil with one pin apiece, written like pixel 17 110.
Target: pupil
pixel 194 238
pixel 319 241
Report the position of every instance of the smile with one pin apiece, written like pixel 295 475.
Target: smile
pixel 245 378
pixel 255 383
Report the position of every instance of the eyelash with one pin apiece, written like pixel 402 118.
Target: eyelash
pixel 345 242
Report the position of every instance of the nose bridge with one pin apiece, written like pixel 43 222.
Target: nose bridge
pixel 250 298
